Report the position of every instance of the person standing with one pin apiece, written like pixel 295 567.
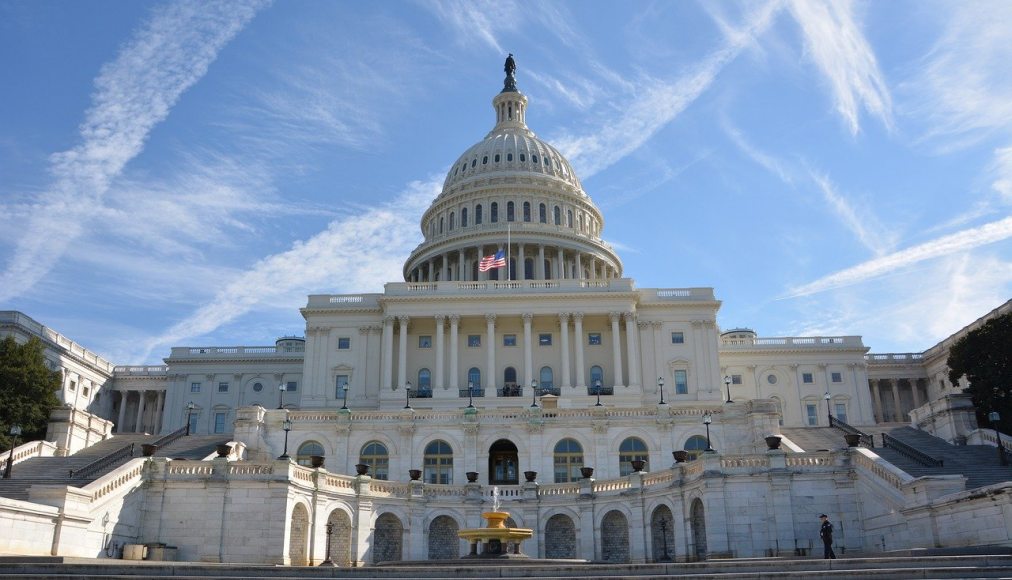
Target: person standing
pixel 826 533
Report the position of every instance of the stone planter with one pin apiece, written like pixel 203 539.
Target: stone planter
pixel 148 449
pixel 587 472
pixel 415 474
pixel 638 465
pixel 680 456
pixel 531 476
pixel 316 460
pixel 362 469
pixel 773 441
pixel 472 476
pixel 223 449
pixel 852 439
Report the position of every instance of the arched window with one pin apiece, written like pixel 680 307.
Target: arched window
pixel 451 220
pixel 307 449
pixel 438 463
pixel 557 214
pixel 440 224
pixel 596 374
pixel 432 228
pixel 374 454
pixel 695 445
pixel 568 459
pixel 545 379
pixel 633 448
pixel 474 376
pixel 569 218
pixel 509 211
pixel 424 382
pixel 543 213
pixel 529 268
pixel 509 377
pixel 527 211
pixel 477 215
pixel 463 218
pixel 493 212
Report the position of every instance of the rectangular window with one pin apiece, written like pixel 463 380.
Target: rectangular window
pixel 343 343
pixel 194 387
pixel 813 415
pixel 681 383
pixel 509 340
pixel 340 393
pixel 807 378
pixel 194 419
pixel 841 412
pixel 219 422
pixel 73 385
pixel 424 341
pixel 84 391
pixel 677 338
pixel 473 340
pixel 594 339
pixel 222 387
pixel 735 379
pixel 545 339
pixel 292 386
pixel 837 377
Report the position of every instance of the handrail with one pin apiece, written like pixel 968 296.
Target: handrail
pixel 102 462
pixel 171 437
pixel 915 454
pixel 867 439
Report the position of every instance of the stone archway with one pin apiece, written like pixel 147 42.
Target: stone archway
pixel 387 539
pixel 615 538
pixel 444 544
pixel 340 539
pixel 503 463
pixel 560 537
pixel 298 543
pixel 698 521
pixel 662 535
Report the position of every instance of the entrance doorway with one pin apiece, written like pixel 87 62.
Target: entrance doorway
pixel 503 463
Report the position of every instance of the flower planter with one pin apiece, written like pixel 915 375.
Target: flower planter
pixel 638 465
pixel 362 469
pixel 148 449
pixel 223 449
pixel 852 439
pixel 587 472
pixel 531 476
pixel 773 441
pixel 316 460
pixel 680 456
pixel 415 474
pixel 472 476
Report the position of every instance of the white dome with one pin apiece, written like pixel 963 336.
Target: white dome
pixel 508 151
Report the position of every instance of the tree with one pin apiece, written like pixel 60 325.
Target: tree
pixel 984 356
pixel 27 390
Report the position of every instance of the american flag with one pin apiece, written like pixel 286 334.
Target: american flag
pixel 496 260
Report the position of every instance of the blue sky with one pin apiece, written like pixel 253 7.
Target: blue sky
pixel 183 173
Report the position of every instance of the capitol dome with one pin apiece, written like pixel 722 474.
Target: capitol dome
pixel 514 193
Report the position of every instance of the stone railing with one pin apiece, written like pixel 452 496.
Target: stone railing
pixel 791 342
pixel 111 482
pixel 141 370
pixel 888 473
pixel 236 351
pixel 611 485
pixel 892 357
pixel 46 333
pixel 744 462
pixel 808 460
pixel 102 462
pixel 27 451
pixel 559 489
pixel 451 287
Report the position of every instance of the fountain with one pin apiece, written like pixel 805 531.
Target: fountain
pixel 495 540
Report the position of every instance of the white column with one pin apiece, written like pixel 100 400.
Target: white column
pixel 160 410
pixel 898 413
pixel 913 391
pixel 876 402
pixel 402 351
pixel 521 270
pixel 489 381
pixel 564 326
pixel 579 266
pixel 440 383
pixel 122 410
pixel 388 352
pixel 444 269
pixel 581 382
pixel 461 271
pixel 431 274
pixel 616 348
pixel 454 352
pixel 593 268
pixel 528 351
pixel 632 349
pixel 541 262
pixel 481 275
pixel 561 265
pixel 138 428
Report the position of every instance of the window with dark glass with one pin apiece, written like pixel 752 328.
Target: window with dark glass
pixel 557 215
pixel 343 343
pixel 527 211
pixel 509 340
pixel 477 215
pixel 543 213
pixel 474 377
pixel 463 218
pixel 677 338
pixel 374 454
pixel 631 449
pixel 837 377
pixel 425 341
pixel 474 340
pixel 567 460
pixel 306 451
pixel 594 338
pixel 545 339
pixel 509 211
pixel 493 212
pixel 438 463
pixel 695 445
pixel 219 422
pixel 681 382
pixel 807 378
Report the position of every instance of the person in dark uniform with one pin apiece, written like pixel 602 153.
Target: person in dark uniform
pixel 826 533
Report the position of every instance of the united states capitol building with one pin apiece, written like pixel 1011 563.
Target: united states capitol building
pixel 619 423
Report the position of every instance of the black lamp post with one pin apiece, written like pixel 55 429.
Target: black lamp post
pixel 660 385
pixel 281 396
pixel 15 433
pixel 829 410
pixel 330 532
pixel 470 395
pixel 993 417
pixel 727 383
pixel 534 394
pixel 344 407
pixel 597 389
pixel 189 413
pixel 287 426
pixel 407 395
pixel 664 536
pixel 707 419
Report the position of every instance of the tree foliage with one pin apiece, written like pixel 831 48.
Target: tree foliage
pixel 984 356
pixel 27 390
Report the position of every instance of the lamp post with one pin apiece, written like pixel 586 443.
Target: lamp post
pixel 344 407
pixel 534 393
pixel 727 383
pixel 330 532
pixel 281 396
pixel 993 417
pixel 470 395
pixel 189 413
pixel 829 411
pixel 407 395
pixel 664 536
pixel 660 385
pixel 597 390
pixel 15 433
pixel 707 419
pixel 287 426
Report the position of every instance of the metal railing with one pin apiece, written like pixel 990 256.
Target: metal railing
pixel 475 392
pixel 592 391
pixel 867 439
pixel 908 451
pixel 181 432
pixel 102 462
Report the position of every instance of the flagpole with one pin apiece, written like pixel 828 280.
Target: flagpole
pixel 508 249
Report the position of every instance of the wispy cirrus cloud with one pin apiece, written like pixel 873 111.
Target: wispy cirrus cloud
pixel 836 44
pixel 133 93
pixel 865 226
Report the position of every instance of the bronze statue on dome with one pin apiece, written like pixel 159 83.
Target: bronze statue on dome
pixel 511 65
pixel 510 82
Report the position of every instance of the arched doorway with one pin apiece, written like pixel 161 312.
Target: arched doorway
pixel 615 538
pixel 698 521
pixel 298 541
pixel 503 463
pixel 387 539
pixel 560 537
pixel 443 541
pixel 340 540
pixel 662 535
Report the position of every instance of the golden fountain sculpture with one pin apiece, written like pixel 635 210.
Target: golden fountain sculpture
pixel 495 540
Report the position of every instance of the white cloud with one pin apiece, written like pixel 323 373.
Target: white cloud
pixel 1003 174
pixel 950 244
pixel 863 224
pixel 837 46
pixel 768 162
pixel 134 92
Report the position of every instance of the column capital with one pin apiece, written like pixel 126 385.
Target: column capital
pixel 577 316
pixel 388 319
pixel 490 317
pixel 644 323
pixel 454 319
pixel 657 323
pixel 564 316
pixel 630 315
pixel 614 316
pixel 364 330
pixel 440 319
pixel 528 316
pixel 404 319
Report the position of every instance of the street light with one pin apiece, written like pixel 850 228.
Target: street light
pixel 470 395
pixel 660 385
pixel 993 417
pixel 829 411
pixel 344 404
pixel 407 395
pixel 15 433
pixel 330 532
pixel 664 536
pixel 189 413
pixel 597 389
pixel 727 383
pixel 707 419
pixel 281 395
pixel 534 393
pixel 287 426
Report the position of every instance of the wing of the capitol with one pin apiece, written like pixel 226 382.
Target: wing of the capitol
pixel 618 424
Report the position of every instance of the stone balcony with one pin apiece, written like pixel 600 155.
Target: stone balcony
pixel 792 343
pixel 237 352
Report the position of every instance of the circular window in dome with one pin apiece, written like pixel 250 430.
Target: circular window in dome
pixel 771 379
pixel 258 387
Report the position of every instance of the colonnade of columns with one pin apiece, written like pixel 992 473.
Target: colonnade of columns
pixel 888 401
pixel 564 378
pixel 141 423
pixel 460 265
